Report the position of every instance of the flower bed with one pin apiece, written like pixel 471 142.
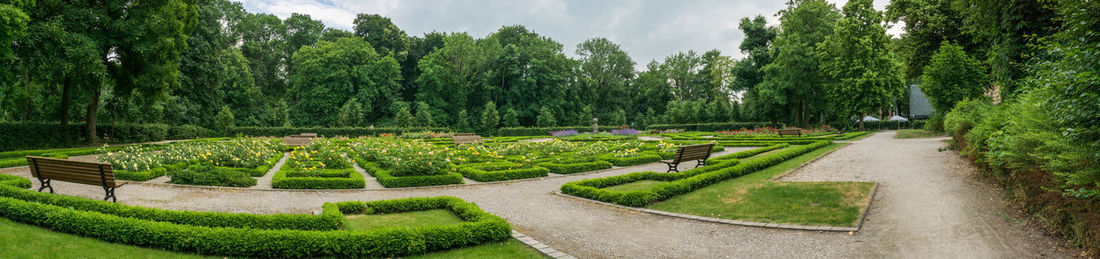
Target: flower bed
pixel 389 181
pixel 250 235
pixel 320 165
pixel 676 183
pixel 141 163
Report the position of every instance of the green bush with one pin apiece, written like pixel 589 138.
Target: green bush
pixel 753 152
pixel 966 114
pixel 213 176
pixel 51 135
pixel 389 181
pixel 570 168
pixel 281 180
pixel 643 158
pixel 248 235
pixel 545 131
pixel 677 183
pixel 327 132
pixel 501 171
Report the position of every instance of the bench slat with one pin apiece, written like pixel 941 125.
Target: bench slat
pixel 72 171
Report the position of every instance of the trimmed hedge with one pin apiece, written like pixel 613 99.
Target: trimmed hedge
pixel 570 168
pixel 326 221
pixel 48 135
pixel 326 132
pixel 545 131
pixel 501 171
pixel 214 176
pixel 676 183
pixel 389 181
pixel 249 235
pixel 643 158
pixel 282 181
pixel 753 152
pixel 718 126
pixel 146 175
pixel 851 135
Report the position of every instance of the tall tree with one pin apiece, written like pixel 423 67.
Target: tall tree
pixel 794 82
pixel 952 76
pixel 330 73
pixel 264 43
pixel 383 35
pixel 1012 30
pixel 449 75
pixel 202 70
pixel 927 24
pixel 301 30
pixel 605 73
pixel 863 75
pixel 533 73
pixel 682 72
pixel 748 72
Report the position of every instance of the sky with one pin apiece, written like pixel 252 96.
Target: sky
pixel 647 30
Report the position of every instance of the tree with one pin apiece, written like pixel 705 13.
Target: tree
pixel 794 81
pixel 489 117
pixel 951 77
pixel 530 73
pixel 546 118
pixel 383 35
pixel 424 114
pixel 605 73
pixel 927 23
pixel 617 118
pixel 510 118
pixel 1010 29
pixel 402 116
pixel 681 72
pixel 863 75
pixel 330 73
pixel 263 42
pixel 205 66
pixel 301 30
pixel 449 76
pixel 330 34
pixel 351 114
pixel 224 120
pixel 462 123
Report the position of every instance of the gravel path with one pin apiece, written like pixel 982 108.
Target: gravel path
pixel 929 204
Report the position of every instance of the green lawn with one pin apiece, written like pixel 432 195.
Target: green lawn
pixel 754 197
pixel 405 219
pixel 19 240
pixel 918 133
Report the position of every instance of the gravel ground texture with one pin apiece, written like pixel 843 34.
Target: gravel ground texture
pixel 929 204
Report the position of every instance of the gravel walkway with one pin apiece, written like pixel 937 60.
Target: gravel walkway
pixel 929 204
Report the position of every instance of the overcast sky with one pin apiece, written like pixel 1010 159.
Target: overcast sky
pixel 647 30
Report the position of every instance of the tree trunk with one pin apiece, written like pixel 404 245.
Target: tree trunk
pixel 93 109
pixel 27 90
pixel 861 121
pixel 66 98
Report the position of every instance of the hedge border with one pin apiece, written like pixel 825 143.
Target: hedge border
pixel 643 158
pixel 676 183
pixel 389 181
pixel 91 221
pixel 472 172
pixel 281 181
pixel 572 168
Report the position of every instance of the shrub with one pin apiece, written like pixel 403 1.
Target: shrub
pixel 389 181
pixel 569 168
pixel 501 171
pixel 52 135
pixel 328 131
pixel 644 158
pixel 718 126
pixel 677 183
pixel 281 180
pixel 213 176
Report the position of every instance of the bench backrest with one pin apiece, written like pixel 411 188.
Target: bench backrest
pixel 783 132
pixel 72 171
pixel 693 152
pixel 464 138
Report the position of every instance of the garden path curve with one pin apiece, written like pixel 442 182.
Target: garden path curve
pixel 929 204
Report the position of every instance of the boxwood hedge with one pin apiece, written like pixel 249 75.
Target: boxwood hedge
pixel 501 171
pixel 676 183
pixel 389 181
pixel 249 235
pixel 643 158
pixel 570 168
pixel 282 181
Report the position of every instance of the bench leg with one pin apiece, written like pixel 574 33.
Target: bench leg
pixel 110 194
pixel 45 184
pixel 672 168
pixel 702 162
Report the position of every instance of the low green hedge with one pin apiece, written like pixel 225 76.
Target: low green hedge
pixel 753 152
pixel 14 188
pixel 389 181
pixel 249 235
pixel 851 135
pixel 570 168
pixel 151 173
pixel 51 135
pixel 326 132
pixel 500 171
pixel 643 158
pixel 282 181
pixel 545 131
pixel 209 175
pixel 676 183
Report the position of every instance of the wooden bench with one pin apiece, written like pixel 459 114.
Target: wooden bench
pixel 698 152
pixel 790 132
pixel 48 169
pixel 465 138
pixel 300 139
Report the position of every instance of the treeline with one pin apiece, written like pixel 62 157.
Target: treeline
pixel 213 64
